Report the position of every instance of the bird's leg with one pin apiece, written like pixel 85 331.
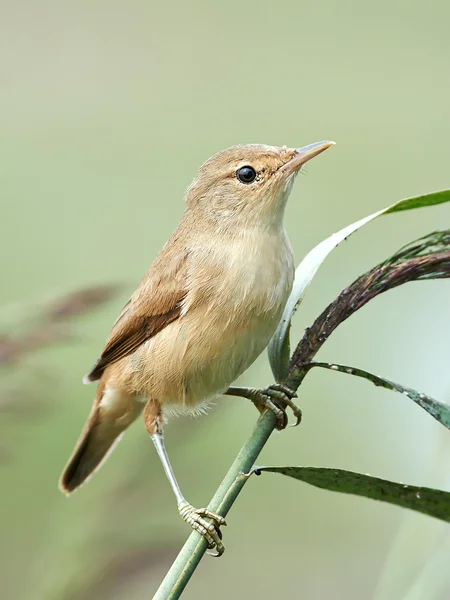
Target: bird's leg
pixel 276 397
pixel 195 517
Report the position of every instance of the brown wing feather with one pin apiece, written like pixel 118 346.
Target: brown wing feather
pixel 156 303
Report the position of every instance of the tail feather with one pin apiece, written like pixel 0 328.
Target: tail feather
pixel 111 414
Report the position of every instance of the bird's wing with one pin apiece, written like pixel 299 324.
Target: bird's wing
pixel 157 302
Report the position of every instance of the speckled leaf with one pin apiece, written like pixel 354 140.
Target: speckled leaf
pixel 279 345
pixel 431 502
pixel 438 410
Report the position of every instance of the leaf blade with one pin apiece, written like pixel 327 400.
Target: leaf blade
pixel 423 259
pixel 429 501
pixel 439 410
pixel 431 199
pixel 279 345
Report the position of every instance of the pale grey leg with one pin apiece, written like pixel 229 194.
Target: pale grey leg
pixel 195 517
pixel 158 440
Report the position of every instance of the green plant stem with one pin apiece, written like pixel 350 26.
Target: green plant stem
pixel 421 260
pixel 195 547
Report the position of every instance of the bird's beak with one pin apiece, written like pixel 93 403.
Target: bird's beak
pixel 302 155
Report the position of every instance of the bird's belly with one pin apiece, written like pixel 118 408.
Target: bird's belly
pixel 223 328
pixel 213 369
pixel 195 358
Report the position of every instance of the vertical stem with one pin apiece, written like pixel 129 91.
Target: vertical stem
pixel 195 547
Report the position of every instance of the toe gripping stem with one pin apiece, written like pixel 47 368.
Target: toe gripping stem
pixel 209 529
pixel 277 398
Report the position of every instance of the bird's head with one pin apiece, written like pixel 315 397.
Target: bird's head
pixel 249 182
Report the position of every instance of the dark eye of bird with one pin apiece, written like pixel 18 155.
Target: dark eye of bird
pixel 246 174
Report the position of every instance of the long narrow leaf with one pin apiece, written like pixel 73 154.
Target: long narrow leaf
pixel 421 260
pixel 279 346
pixel 438 410
pixel 431 502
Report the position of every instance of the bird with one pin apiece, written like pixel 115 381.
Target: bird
pixel 204 311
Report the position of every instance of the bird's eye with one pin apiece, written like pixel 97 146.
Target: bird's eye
pixel 246 174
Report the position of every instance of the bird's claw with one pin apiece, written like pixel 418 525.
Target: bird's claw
pixel 210 530
pixel 277 398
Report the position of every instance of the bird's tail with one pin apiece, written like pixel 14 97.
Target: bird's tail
pixel 111 414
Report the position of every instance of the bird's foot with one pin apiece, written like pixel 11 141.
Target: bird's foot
pixel 277 398
pixel 210 530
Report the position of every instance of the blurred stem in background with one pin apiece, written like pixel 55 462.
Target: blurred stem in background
pixel 38 328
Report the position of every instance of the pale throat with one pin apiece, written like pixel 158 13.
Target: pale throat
pixel 274 214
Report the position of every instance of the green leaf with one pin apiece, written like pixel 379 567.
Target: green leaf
pixel 438 410
pixel 431 502
pixel 424 259
pixel 419 201
pixel 279 345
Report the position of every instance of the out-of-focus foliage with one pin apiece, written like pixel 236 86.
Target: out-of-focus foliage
pixel 36 329
pixel 106 112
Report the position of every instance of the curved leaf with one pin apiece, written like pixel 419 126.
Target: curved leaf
pixel 431 502
pixel 279 347
pixel 438 410
pixel 424 259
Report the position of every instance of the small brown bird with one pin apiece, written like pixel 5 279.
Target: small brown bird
pixel 204 311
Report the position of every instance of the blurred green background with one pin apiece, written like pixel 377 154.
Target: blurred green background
pixel 107 109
